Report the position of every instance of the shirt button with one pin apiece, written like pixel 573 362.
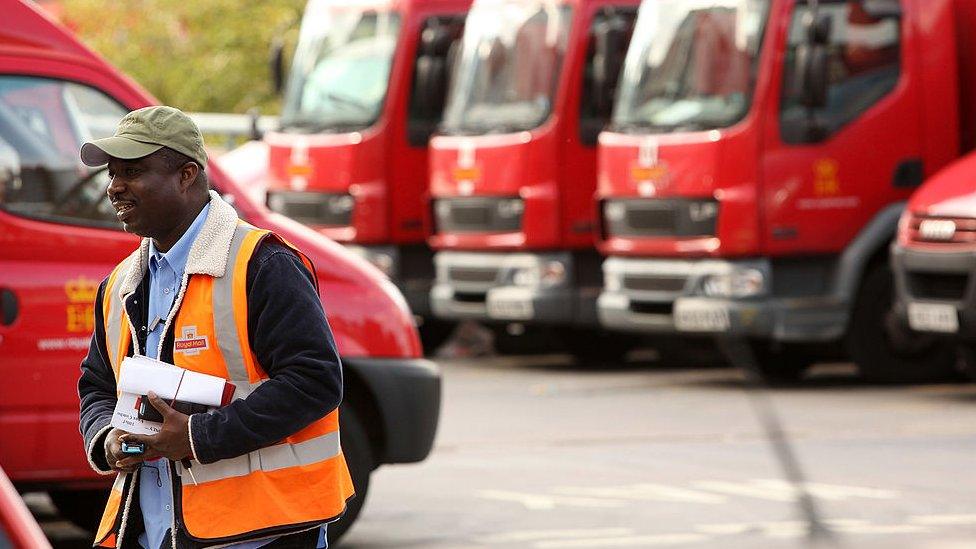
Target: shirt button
pixel 165 290
pixel 168 507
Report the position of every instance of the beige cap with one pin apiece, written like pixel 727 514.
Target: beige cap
pixel 145 131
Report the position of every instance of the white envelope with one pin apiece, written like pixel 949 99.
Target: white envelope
pixel 140 374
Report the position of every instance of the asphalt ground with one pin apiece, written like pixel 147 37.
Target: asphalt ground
pixel 540 453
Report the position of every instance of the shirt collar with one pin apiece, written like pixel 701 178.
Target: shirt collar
pixel 177 255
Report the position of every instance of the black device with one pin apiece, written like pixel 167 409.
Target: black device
pixel 149 413
pixel 134 448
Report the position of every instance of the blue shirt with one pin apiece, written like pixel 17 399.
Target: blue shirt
pixel 166 272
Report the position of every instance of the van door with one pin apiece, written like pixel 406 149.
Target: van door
pixel 59 238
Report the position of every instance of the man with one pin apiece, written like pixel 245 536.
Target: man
pixel 209 293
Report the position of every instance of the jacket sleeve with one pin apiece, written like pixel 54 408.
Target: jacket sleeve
pixel 96 391
pixel 291 338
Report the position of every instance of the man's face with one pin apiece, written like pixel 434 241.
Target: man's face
pixel 146 195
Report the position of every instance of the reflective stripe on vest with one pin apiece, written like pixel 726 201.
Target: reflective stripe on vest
pixel 302 480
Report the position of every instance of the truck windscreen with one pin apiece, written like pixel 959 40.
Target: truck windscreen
pixel 509 69
pixel 691 65
pixel 342 64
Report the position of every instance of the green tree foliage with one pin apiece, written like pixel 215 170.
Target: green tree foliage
pixel 209 56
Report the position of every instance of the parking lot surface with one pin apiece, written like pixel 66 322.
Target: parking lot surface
pixel 536 452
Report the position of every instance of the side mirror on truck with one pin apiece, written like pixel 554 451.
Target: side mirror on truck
pixel 611 38
pixel 277 64
pixel 431 79
pixel 812 61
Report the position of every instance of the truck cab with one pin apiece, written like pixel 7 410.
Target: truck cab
pixel 59 238
pixel 758 159
pixel 513 169
pixel 365 91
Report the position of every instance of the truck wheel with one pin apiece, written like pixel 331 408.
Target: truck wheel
pixel 82 507
pixel 778 363
pixel 883 350
pixel 433 334
pixel 359 458
pixel 595 347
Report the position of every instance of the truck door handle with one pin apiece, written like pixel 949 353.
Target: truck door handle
pixel 9 309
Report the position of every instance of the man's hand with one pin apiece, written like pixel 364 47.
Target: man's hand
pixel 114 455
pixel 172 442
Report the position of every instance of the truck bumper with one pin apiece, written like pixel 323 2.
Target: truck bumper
pixel 935 293
pixel 409 267
pixel 668 296
pixel 407 393
pixel 512 287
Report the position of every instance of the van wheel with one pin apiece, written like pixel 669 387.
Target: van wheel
pixel 886 352
pixel 359 458
pixel 433 334
pixel 82 507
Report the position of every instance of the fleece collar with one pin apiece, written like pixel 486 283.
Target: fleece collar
pixel 208 254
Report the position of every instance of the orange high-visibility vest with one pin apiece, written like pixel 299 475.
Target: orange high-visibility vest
pixel 290 486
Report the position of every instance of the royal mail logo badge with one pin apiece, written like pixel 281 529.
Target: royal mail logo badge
pixel 190 343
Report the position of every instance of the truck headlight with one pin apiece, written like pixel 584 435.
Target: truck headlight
pixel 545 274
pixel 382 259
pixel 736 283
pixel 340 204
pixel 613 283
pixel 509 208
pixel 276 202
pixel 615 211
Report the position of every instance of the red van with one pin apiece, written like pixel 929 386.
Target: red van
pixel 59 238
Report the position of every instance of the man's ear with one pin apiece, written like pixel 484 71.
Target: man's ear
pixel 188 175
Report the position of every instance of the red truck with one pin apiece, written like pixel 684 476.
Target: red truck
pixel 59 239
pixel 365 91
pixel 758 159
pixel 513 169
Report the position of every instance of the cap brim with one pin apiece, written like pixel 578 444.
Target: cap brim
pixel 98 152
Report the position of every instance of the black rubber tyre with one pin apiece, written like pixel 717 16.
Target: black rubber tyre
pixel 82 507
pixel 593 346
pixel 530 342
pixel 778 364
pixel 433 334
pixel 359 458
pixel 883 350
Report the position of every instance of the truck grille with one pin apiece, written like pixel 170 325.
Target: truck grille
pixel 660 217
pixel 312 208
pixel 938 285
pixel 654 284
pixel 941 230
pixel 478 214
pixel 467 274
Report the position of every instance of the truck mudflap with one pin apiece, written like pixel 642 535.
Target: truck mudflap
pixel 668 296
pixel 407 392
pixel 512 287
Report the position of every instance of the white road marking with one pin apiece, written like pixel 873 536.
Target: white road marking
pixel 533 535
pixel 646 491
pixel 779 490
pixel 944 520
pixel 629 541
pixel 545 502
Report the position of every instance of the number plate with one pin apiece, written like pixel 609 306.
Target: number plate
pixel 933 317
pixel 511 308
pixel 701 318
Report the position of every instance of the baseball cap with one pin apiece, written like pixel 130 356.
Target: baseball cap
pixel 145 131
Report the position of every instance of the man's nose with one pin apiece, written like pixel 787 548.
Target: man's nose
pixel 115 186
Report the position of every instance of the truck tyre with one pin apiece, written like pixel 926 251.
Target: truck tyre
pixel 359 458
pixel 778 363
pixel 591 346
pixel 83 508
pixel 885 352
pixel 433 334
